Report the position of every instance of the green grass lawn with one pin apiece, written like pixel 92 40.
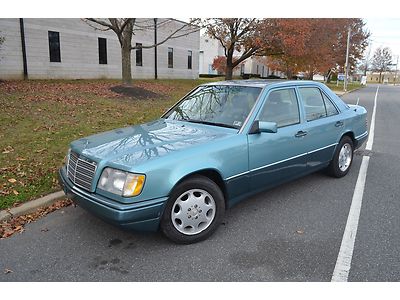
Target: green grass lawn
pixel 351 86
pixel 38 120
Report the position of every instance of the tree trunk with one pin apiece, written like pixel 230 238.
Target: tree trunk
pixel 126 64
pixel 228 72
pixel 125 39
pixel 229 65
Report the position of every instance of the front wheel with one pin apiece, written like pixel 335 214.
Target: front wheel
pixel 194 210
pixel 342 159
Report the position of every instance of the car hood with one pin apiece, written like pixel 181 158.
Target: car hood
pixel 136 144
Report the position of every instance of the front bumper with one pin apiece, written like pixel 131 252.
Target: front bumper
pixel 143 216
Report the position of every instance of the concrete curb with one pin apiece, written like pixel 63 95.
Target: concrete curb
pixel 340 93
pixel 30 206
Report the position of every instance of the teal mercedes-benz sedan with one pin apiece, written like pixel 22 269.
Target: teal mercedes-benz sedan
pixel 221 143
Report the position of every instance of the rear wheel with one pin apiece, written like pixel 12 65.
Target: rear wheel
pixel 194 210
pixel 342 159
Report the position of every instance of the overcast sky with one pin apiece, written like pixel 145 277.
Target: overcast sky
pixel 385 32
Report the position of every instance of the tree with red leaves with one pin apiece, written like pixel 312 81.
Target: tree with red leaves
pixel 313 45
pixel 219 64
pixel 240 36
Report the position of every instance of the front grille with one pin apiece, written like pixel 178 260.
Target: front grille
pixel 81 171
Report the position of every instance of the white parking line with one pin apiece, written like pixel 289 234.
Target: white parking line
pixel 372 127
pixel 343 262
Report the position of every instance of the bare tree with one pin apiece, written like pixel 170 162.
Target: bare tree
pixel 381 60
pixel 125 28
pixel 235 34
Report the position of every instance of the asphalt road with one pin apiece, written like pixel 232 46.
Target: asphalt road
pixel 290 233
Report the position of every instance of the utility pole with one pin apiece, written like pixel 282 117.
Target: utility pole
pixel 155 50
pixel 347 60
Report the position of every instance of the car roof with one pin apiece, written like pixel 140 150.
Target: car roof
pixel 261 83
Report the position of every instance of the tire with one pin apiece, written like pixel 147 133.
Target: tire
pixel 194 210
pixel 342 159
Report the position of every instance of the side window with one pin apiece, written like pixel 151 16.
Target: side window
pixel 313 103
pixel 170 57
pixel 330 108
pixel 281 107
pixel 54 46
pixel 139 55
pixel 102 42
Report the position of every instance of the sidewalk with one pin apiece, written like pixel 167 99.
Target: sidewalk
pixel 341 93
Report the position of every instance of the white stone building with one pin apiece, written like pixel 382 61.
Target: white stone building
pixel 211 48
pixel 71 49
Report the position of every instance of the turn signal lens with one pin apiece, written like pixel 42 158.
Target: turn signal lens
pixel 133 185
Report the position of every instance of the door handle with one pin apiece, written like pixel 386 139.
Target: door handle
pixel 339 124
pixel 300 133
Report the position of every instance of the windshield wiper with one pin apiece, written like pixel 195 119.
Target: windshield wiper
pixel 211 123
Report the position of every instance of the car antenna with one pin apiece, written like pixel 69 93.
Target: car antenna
pixel 358 100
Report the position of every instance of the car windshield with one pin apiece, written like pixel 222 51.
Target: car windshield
pixel 219 105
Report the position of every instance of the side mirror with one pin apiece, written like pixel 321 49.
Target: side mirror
pixel 260 126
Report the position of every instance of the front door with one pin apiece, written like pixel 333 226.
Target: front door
pixel 281 156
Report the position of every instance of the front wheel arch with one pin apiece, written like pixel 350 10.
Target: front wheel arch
pixel 211 174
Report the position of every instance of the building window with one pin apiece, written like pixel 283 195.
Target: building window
pixel 54 46
pixel 139 55
pixel 257 70
pixel 170 57
pixel 189 59
pixel 102 51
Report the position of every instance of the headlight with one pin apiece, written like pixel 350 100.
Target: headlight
pixel 121 183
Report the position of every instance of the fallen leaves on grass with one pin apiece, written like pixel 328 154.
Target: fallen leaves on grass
pixel 8 149
pixel 12 180
pixel 7 271
pixel 40 150
pixel 16 224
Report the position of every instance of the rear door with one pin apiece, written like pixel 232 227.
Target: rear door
pixel 323 125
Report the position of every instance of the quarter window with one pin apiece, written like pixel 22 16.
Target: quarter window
pixel 281 107
pixel 170 57
pixel 139 55
pixel 102 51
pixel 330 108
pixel 54 46
pixel 313 103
